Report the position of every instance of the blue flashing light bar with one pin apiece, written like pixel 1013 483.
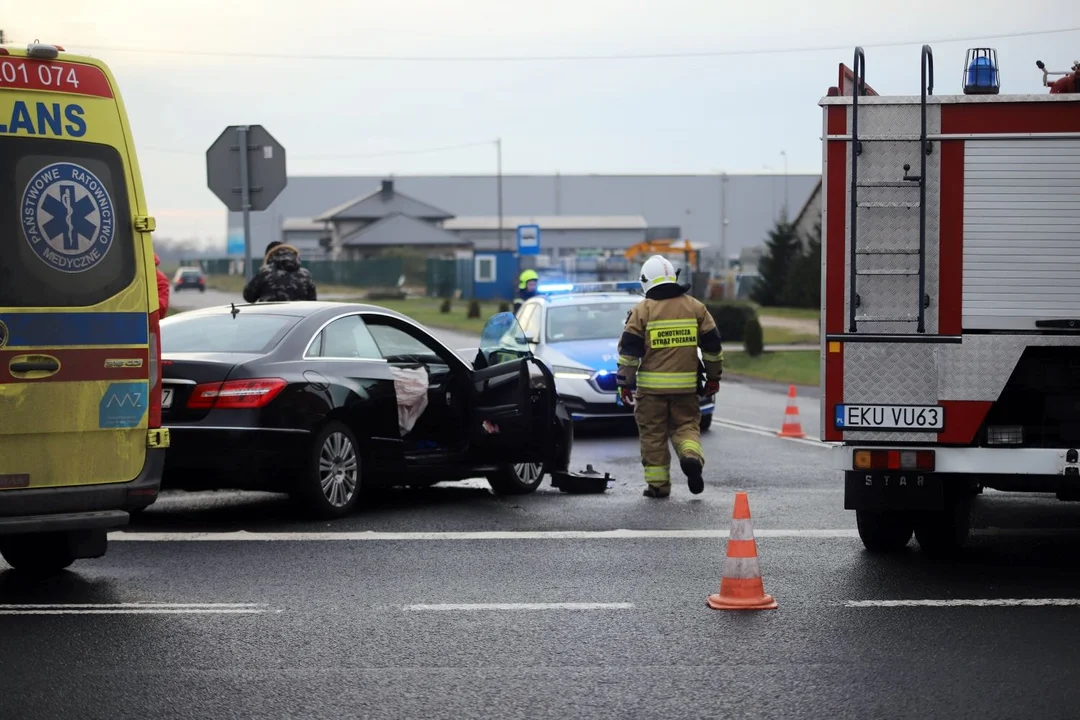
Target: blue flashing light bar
pixel 592 287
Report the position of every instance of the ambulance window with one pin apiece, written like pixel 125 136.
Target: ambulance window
pixel 65 230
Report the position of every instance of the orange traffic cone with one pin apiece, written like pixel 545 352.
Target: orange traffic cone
pixel 740 586
pixel 792 427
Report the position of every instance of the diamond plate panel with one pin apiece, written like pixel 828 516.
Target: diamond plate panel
pixel 895 121
pixel 889 227
pixel 890 373
pixel 925 374
pixel 978 368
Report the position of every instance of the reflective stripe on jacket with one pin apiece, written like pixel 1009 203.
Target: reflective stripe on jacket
pixel 658 348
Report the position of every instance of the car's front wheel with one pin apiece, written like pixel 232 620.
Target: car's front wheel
pixel 331 483
pixel 517 478
pixel 706 422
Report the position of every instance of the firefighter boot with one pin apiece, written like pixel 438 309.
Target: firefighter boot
pixel 685 412
pixel 650 412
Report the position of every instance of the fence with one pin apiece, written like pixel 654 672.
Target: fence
pixel 373 273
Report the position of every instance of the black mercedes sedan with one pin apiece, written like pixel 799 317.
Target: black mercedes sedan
pixel 323 399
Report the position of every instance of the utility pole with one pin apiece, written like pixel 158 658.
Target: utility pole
pixel 498 159
pixel 723 222
pixel 784 153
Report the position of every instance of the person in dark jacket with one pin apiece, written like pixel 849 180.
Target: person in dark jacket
pixel 281 277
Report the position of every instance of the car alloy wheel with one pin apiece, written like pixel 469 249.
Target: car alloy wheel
pixel 339 469
pixel 527 473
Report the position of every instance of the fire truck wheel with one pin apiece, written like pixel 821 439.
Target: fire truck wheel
pixel 883 532
pixel 947 532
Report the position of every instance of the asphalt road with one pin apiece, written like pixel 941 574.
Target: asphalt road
pixel 453 603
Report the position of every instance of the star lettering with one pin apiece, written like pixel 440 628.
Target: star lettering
pixel 69 218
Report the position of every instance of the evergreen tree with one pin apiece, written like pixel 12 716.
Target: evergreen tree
pixel 782 251
pixel 804 282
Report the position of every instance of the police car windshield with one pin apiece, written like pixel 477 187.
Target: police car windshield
pixel 588 321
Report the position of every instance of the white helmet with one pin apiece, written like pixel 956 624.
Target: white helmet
pixel 657 271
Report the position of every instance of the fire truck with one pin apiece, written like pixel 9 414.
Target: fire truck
pixel 950 299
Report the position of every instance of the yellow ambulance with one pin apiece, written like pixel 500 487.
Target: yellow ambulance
pixel 81 442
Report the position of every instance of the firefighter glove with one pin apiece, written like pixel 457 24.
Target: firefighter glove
pixel 711 387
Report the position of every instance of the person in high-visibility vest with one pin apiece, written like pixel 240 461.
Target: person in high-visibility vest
pixel 659 372
pixel 526 288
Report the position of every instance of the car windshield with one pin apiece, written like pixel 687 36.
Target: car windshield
pixel 590 321
pixel 245 333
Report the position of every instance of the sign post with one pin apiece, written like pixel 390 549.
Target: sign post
pixel 245 168
pixel 528 239
pixel 528 243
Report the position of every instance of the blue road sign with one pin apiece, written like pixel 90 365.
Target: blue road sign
pixel 528 239
pixel 235 243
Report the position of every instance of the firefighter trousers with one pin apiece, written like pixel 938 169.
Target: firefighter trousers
pixel 663 418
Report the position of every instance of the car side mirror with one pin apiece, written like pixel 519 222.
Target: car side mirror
pixel 531 339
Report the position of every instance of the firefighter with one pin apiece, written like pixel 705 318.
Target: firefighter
pixel 659 375
pixel 526 288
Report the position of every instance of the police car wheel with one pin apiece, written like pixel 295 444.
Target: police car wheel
pixel 516 478
pixel 331 486
pixel 706 422
pixel 45 553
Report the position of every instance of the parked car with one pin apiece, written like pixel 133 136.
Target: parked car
pixel 193 278
pixel 300 397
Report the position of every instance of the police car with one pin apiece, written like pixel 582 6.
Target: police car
pixel 574 329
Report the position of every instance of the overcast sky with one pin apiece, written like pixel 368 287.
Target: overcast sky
pixel 189 68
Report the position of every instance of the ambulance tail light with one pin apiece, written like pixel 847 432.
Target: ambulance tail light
pixel 894 460
pixel 154 416
pixel 235 394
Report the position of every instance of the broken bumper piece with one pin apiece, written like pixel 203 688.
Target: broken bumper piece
pixel 587 481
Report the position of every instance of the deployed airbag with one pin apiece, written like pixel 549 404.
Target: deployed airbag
pixel 411 385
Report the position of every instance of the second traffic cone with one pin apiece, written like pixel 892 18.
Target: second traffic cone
pixel 740 586
pixel 792 427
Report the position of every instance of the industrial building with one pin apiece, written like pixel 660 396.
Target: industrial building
pixel 349 217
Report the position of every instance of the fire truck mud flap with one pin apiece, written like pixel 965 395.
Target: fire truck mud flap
pixel 894 491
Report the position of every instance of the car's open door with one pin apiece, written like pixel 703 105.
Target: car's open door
pixel 513 399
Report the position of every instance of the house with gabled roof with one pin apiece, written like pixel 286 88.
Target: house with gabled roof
pixel 387 218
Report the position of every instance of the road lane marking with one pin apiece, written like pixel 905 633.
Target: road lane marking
pixel 133 609
pixel 370 535
pixel 445 607
pixel 766 432
pixel 987 602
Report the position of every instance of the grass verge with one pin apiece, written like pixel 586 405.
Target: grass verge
pixel 426 312
pixel 798 367
pixel 784 336
pixel 790 313
pixel 235 284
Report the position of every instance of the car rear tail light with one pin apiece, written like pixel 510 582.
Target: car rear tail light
pixel 894 460
pixel 235 394
pixel 1005 435
pixel 154 415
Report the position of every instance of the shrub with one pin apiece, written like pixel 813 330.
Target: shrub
pixel 474 309
pixel 753 337
pixel 445 307
pixel 731 319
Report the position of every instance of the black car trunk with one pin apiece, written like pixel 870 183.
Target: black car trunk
pixel 184 372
